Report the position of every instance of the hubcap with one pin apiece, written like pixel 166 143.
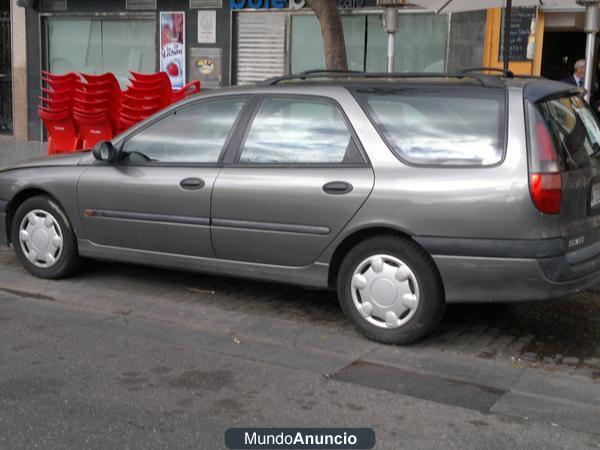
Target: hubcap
pixel 41 238
pixel 385 291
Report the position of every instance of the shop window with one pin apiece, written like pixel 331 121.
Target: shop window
pixel 307 50
pixel 96 46
pixel 420 43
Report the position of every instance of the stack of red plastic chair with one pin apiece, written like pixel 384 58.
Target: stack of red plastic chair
pixel 55 110
pixel 149 93
pixel 96 108
pixel 79 113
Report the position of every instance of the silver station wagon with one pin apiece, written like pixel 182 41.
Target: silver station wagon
pixel 402 192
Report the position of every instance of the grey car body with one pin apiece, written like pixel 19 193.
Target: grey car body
pixel 479 225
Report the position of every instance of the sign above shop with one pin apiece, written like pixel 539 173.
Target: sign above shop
pixel 289 4
pixel 258 4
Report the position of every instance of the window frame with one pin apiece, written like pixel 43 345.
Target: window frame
pixel 478 90
pixel 233 159
pixel 242 116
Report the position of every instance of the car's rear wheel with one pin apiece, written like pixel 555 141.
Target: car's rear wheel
pixel 43 238
pixel 390 290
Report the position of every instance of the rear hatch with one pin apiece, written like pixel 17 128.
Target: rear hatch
pixel 565 170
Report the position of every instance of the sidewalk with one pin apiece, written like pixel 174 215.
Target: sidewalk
pixel 12 151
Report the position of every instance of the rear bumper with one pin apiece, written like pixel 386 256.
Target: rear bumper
pixel 489 279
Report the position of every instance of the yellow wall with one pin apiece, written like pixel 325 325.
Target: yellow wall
pixel 492 45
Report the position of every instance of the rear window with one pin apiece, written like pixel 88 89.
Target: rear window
pixel 575 130
pixel 437 127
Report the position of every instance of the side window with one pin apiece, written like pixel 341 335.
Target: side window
pixel 195 134
pixel 299 131
pixel 440 128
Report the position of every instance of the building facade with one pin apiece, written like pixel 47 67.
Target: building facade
pixel 228 42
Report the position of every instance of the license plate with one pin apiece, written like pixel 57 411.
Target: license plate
pixel 595 200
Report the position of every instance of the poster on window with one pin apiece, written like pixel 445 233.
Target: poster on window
pixel 205 65
pixel 207 27
pixel 172 47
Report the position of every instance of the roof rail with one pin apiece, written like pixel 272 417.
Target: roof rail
pixel 485 80
pixel 506 73
pixel 307 74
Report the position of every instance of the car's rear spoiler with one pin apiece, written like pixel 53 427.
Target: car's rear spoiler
pixel 541 89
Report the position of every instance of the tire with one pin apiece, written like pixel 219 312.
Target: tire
pixel 41 252
pixel 384 300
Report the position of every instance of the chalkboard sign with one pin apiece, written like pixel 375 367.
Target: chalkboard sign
pixel 520 29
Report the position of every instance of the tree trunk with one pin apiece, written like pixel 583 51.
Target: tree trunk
pixel 333 34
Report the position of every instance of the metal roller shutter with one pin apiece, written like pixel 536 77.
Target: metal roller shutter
pixel 260 46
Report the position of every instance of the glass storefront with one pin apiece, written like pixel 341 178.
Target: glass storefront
pixel 307 42
pixel 95 45
pixel 420 43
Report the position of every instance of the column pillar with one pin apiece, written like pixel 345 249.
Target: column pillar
pixel 19 70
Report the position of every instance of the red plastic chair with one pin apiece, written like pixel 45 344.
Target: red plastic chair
pixel 101 78
pixel 62 85
pixel 60 77
pixel 137 112
pixel 92 94
pixel 193 87
pixel 64 94
pixel 54 104
pixel 98 105
pixel 158 76
pixel 93 127
pixel 127 121
pixel 149 94
pixel 62 133
pixel 135 102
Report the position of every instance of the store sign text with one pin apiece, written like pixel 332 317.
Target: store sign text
pixel 266 4
pixel 291 4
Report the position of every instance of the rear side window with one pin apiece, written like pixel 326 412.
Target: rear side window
pixel 437 127
pixel 574 129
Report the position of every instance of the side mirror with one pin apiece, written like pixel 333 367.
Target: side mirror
pixel 105 151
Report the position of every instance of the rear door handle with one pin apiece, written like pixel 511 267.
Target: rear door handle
pixel 337 188
pixel 192 184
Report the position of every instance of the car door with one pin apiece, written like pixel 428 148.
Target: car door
pixel 156 197
pixel 298 177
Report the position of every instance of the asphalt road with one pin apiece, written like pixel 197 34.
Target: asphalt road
pixel 121 356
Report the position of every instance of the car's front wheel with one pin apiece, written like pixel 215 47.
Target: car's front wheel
pixel 390 290
pixel 43 238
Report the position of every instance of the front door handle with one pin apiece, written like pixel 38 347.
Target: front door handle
pixel 192 184
pixel 337 188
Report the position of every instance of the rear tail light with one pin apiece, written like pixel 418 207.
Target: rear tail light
pixel 546 191
pixel 545 182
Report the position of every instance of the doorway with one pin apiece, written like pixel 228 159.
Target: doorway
pixel 561 50
pixel 6 119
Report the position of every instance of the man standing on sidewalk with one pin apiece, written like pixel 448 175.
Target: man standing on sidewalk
pixel 578 75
